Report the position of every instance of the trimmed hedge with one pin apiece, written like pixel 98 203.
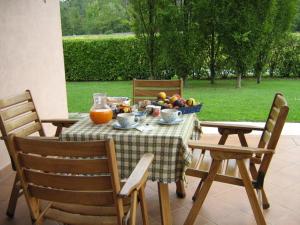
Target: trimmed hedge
pixel 104 59
pixel 124 58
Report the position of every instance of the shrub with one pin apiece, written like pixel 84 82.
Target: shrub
pixel 97 59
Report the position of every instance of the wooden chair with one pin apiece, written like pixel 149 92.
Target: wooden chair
pixel 148 89
pixel 18 115
pixel 80 180
pixel 236 165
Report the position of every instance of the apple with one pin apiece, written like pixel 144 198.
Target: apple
pixel 126 109
pixel 162 95
pixel 191 102
pixel 166 105
pixel 173 99
pixel 160 102
pixel 170 106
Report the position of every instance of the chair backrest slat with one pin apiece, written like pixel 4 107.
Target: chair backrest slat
pixel 15 100
pixel 18 110
pixel 274 113
pixel 157 83
pixel 20 121
pixel 73 149
pixel 28 130
pixel 68 182
pixel 74 197
pixel 148 89
pixel 59 165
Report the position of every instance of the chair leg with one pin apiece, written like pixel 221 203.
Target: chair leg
pixel 190 220
pixel 13 197
pixel 259 217
pixel 197 190
pixel 58 131
pixel 265 202
pixel 224 137
pixel 180 190
pixel 134 199
pixel 143 206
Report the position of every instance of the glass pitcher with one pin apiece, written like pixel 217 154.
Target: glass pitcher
pixel 100 111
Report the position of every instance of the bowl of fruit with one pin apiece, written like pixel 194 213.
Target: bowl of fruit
pixel 175 101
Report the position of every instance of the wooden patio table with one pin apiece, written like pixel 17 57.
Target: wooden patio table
pixel 168 143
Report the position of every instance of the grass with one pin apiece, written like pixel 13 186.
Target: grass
pixel 222 101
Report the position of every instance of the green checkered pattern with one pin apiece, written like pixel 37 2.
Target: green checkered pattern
pixel 167 143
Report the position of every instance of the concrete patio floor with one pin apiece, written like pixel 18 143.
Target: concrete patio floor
pixel 225 204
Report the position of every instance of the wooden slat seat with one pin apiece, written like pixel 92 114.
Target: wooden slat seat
pixel 19 116
pixel 238 165
pixel 202 161
pixel 148 89
pixel 79 179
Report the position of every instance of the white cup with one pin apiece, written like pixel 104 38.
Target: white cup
pixel 126 119
pixel 170 115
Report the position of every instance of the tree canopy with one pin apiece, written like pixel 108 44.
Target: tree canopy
pixel 94 17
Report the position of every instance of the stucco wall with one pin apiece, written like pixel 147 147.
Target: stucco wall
pixel 31 56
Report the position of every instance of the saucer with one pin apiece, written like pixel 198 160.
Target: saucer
pixel 177 121
pixel 119 127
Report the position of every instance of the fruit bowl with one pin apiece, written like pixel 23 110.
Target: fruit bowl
pixel 191 109
pixel 175 101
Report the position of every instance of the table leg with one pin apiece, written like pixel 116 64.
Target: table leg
pixel 164 202
pixel 180 190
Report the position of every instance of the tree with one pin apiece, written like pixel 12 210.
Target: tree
pixel 179 36
pixel 296 23
pixel 242 23
pixel 144 15
pixel 276 25
pixel 210 22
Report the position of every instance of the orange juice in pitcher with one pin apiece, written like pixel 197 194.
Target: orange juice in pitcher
pixel 100 112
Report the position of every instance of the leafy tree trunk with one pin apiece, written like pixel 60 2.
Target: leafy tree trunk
pixel 258 69
pixel 212 58
pixel 271 69
pixel 239 74
pixel 212 43
pixel 239 80
pixel 151 5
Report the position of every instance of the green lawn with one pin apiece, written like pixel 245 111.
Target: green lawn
pixel 222 101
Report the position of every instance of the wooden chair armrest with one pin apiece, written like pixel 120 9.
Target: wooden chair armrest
pixel 228 148
pixel 231 126
pixel 60 122
pixel 138 176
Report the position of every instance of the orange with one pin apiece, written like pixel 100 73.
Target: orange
pixel 99 116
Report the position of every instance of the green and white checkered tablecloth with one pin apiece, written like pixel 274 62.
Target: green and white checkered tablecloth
pixel 167 143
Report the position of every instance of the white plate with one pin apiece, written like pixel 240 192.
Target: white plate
pixel 179 120
pixel 119 127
